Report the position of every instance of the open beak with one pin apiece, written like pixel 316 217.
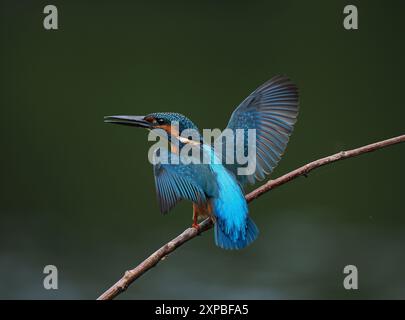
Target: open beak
pixel 134 121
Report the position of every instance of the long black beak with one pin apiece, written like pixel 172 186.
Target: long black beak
pixel 135 121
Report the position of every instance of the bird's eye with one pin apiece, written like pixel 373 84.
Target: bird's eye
pixel 160 120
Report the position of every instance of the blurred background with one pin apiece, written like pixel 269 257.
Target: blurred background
pixel 79 194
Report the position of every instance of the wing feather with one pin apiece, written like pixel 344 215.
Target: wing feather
pixel 272 110
pixel 174 182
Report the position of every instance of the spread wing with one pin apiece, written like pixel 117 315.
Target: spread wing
pixel 272 110
pixel 174 182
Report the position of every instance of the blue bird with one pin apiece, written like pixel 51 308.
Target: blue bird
pixel 216 188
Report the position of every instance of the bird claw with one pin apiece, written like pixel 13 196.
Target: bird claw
pixel 196 226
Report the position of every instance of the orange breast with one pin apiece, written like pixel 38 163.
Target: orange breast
pixel 172 131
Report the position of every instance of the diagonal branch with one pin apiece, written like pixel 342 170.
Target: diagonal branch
pixel 131 275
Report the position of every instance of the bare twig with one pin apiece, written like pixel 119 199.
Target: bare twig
pixel 131 275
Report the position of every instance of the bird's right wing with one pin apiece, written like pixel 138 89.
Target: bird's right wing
pixel 174 182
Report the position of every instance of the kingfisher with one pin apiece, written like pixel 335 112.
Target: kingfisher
pixel 216 189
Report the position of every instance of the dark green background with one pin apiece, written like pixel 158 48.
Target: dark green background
pixel 79 194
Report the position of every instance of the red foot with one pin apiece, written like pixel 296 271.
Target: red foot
pixel 196 226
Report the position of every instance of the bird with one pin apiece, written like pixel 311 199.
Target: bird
pixel 216 190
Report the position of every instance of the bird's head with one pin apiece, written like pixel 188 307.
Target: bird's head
pixel 172 123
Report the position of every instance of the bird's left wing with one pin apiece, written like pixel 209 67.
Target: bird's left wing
pixel 174 182
pixel 272 111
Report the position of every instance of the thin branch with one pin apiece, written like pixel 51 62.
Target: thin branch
pixel 190 233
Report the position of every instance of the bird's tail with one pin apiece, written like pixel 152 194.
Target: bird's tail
pixel 227 241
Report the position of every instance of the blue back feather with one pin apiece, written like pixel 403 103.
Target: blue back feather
pixel 233 229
